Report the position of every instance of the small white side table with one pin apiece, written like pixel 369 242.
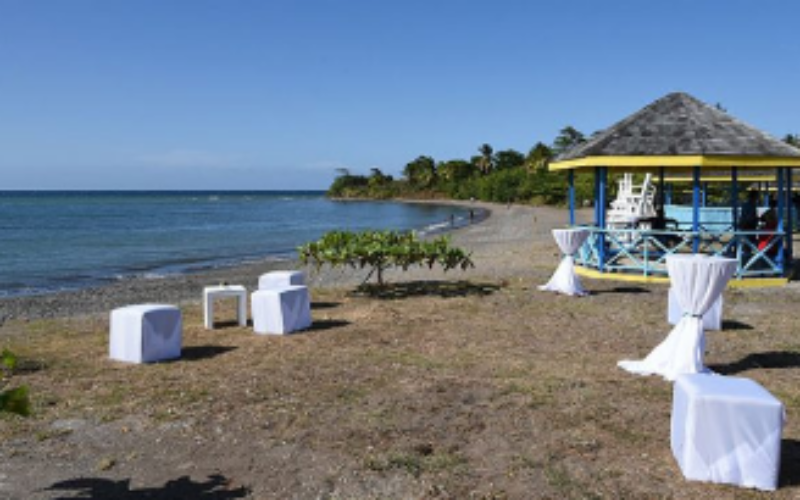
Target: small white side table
pixel 213 292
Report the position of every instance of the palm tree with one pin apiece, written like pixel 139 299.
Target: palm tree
pixel 485 162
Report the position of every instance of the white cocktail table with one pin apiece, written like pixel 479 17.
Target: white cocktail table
pixel 698 282
pixel 214 292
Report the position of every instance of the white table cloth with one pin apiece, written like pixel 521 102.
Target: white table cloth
pixel 698 281
pixel 712 319
pixel 726 430
pixel 145 333
pixel 210 293
pixel 281 279
pixel 281 310
pixel 564 280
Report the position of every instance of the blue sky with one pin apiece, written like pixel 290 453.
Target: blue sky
pixel 277 94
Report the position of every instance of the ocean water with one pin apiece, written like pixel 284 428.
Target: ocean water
pixel 51 241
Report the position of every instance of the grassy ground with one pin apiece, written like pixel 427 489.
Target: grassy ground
pixel 479 388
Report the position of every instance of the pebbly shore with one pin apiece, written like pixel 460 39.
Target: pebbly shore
pixel 504 243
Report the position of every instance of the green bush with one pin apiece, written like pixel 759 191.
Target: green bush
pixel 12 400
pixel 381 250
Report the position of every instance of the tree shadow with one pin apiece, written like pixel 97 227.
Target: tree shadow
pixel 217 487
pixel 325 305
pixel 765 360
pixel 198 352
pixel 326 324
pixel 443 289
pixel 732 324
pixel 790 463
pixel 621 289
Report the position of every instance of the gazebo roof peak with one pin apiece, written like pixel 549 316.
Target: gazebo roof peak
pixel 680 130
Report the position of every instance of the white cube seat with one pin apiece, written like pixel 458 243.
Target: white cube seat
pixel 712 319
pixel 281 310
pixel 726 430
pixel 145 333
pixel 281 279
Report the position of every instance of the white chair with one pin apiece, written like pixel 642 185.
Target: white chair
pixel 281 310
pixel 726 430
pixel 281 279
pixel 145 333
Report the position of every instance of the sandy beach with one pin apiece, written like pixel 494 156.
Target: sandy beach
pixel 452 385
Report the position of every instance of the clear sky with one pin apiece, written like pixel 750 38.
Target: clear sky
pixel 277 94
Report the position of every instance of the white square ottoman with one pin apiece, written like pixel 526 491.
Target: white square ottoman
pixel 712 319
pixel 281 279
pixel 726 430
pixel 145 333
pixel 280 311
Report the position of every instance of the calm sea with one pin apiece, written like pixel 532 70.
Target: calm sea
pixel 65 240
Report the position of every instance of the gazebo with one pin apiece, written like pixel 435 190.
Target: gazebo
pixel 676 137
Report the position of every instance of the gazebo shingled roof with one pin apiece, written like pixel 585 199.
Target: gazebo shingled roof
pixel 680 131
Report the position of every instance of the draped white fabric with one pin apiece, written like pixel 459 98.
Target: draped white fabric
pixel 281 279
pixel 726 430
pixel 145 333
pixel 280 311
pixel 712 319
pixel 698 281
pixel 564 280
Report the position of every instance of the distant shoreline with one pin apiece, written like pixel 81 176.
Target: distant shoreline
pixel 178 288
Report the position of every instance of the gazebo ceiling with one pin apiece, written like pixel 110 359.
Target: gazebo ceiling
pixel 679 131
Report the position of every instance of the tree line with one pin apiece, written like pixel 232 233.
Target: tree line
pixel 503 176
pixel 506 176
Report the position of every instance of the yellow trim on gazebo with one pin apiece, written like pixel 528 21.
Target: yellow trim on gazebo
pixel 634 278
pixel 722 178
pixel 677 161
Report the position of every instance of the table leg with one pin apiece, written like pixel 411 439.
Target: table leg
pixel 242 309
pixel 209 312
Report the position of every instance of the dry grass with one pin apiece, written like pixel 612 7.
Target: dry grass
pixel 470 389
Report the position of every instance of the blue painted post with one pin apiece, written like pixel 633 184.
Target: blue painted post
pixel 789 216
pixel 735 197
pixel 781 207
pixel 669 194
pixel 696 209
pixel 571 181
pixel 765 196
pixel 601 199
pixel 705 194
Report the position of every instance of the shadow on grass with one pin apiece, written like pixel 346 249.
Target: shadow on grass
pixel 326 324
pixel 325 305
pixel 766 360
pixel 621 289
pixel 444 289
pixel 217 487
pixel 732 324
pixel 790 463
pixel 198 352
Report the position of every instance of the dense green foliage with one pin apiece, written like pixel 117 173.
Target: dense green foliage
pixel 500 176
pixel 12 400
pixel 381 250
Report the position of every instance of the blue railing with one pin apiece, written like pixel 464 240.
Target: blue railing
pixel 644 252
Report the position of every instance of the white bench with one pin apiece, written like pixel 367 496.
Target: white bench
pixel 145 333
pixel 281 310
pixel 726 430
pixel 281 279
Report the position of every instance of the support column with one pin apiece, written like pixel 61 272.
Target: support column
pixel 602 173
pixel 781 199
pixel 696 209
pixel 571 183
pixel 735 197
pixel 789 216
pixel 661 188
